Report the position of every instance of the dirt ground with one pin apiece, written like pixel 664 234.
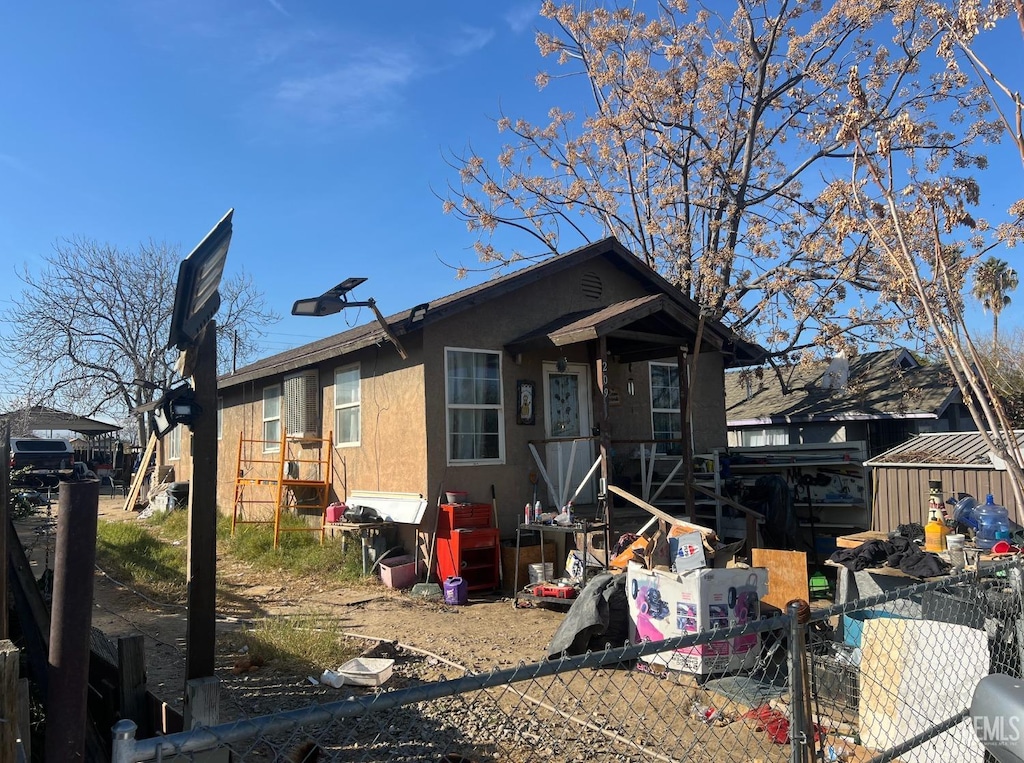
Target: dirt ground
pixel 487 633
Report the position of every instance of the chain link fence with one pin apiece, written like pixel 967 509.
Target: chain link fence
pixel 885 678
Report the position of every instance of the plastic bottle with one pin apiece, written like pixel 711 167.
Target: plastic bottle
pixel 993 523
pixel 537 511
pixel 934 533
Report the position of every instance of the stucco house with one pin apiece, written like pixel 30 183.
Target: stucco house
pixel 879 398
pixel 555 372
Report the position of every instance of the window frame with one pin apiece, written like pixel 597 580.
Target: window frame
pixel 449 407
pixel 357 405
pixel 674 412
pixel 173 440
pixel 272 446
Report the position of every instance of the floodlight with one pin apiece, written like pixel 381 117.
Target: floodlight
pixel 196 298
pixel 176 406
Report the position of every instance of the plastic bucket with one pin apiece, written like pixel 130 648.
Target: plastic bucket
pixel 455 591
pixel 541 572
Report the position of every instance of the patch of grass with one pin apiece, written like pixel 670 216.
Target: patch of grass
pixel 298 552
pixel 150 561
pixel 303 644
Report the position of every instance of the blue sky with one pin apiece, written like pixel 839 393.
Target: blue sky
pixel 324 124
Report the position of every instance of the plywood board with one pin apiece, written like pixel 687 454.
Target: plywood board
pixel 856 539
pixel 787 575
pixel 915 674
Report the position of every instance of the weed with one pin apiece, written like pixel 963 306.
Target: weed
pixel 305 643
pixel 133 555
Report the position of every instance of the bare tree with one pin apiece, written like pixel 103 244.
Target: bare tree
pixel 707 146
pixel 94 321
pixel 916 203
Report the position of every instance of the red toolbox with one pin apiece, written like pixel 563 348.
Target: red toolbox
pixel 555 591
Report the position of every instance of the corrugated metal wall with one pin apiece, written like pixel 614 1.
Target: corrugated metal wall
pixel 900 493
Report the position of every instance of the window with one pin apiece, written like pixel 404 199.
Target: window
pixel 173 440
pixel 220 418
pixel 473 399
pixel 666 423
pixel 765 436
pixel 346 406
pixel 272 418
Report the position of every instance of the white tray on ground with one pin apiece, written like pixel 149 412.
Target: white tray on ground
pixel 366 671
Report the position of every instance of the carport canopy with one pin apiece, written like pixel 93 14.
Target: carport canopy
pixel 42 417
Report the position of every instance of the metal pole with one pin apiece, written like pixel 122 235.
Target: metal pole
pixel 124 741
pixel 71 621
pixel 799 722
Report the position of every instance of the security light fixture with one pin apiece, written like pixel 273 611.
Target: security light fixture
pixel 331 301
pixel 175 406
pixel 196 298
pixel 335 300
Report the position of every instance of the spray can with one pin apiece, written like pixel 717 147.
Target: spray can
pixel 527 515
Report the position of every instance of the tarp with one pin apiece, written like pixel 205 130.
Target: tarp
pixel 41 417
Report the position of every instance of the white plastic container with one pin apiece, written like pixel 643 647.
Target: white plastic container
pixel 366 671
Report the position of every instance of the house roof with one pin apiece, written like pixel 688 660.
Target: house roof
pixel 889 384
pixel 943 449
pixel 666 308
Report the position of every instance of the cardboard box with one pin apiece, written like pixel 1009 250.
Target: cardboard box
pixel 400 571
pixel 686 552
pixel 668 604
pixel 527 555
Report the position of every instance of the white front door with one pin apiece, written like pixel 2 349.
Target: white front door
pixel 567 418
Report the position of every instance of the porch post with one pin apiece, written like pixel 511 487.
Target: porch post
pixel 685 413
pixel 604 442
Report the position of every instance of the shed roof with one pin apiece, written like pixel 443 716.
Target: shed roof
pixel 881 385
pixel 666 299
pixel 942 449
pixel 41 417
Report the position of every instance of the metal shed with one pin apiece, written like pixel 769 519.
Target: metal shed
pixel 961 460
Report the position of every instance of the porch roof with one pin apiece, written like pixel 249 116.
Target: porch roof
pixel 643 328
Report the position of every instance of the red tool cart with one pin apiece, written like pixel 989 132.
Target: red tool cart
pixel 468 545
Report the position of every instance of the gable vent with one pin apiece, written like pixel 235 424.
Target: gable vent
pixel 591 286
pixel 302 404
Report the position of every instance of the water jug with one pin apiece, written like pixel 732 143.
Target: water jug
pixel 993 523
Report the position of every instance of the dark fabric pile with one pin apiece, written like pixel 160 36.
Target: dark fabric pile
pixel 598 617
pixel 899 552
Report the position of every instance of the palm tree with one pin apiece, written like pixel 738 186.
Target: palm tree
pixel 992 280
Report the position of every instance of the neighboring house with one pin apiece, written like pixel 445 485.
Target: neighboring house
pixel 879 398
pixel 960 461
pixel 557 356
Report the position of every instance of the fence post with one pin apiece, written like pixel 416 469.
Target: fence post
pixel 124 741
pixel 801 749
pixel 1017 586
pixel 71 618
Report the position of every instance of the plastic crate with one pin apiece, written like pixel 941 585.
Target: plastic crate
pixel 835 684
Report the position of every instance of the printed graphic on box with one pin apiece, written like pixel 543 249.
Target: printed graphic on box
pixel 665 605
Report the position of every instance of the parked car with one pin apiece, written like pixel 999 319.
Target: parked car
pixel 45 460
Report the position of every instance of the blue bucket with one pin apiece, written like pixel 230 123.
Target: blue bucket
pixel 455 591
